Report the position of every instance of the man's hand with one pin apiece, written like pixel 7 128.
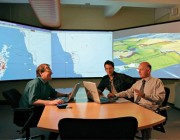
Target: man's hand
pixel 55 102
pixel 69 94
pixel 138 93
pixel 110 95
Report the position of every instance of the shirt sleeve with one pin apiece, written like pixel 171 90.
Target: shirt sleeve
pixel 127 93
pixel 157 96
pixel 101 85
pixel 33 92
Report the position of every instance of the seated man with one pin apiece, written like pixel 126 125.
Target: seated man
pixel 114 82
pixel 38 92
pixel 148 92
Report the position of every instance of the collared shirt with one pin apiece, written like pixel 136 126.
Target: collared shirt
pixel 36 89
pixel 153 90
pixel 121 82
pixel 113 90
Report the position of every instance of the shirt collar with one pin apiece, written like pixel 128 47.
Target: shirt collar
pixel 147 78
pixel 41 79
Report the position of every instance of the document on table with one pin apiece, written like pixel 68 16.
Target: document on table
pixel 122 100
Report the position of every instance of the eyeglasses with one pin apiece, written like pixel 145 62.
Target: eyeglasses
pixel 48 70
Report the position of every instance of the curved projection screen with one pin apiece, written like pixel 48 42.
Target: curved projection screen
pixel 81 54
pixel 156 44
pixel 69 53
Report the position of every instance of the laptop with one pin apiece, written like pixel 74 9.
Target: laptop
pixel 73 92
pixel 92 93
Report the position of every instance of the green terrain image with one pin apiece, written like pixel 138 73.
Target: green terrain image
pixel 160 51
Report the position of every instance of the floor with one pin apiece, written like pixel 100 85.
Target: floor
pixel 8 129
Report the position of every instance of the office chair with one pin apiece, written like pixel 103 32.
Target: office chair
pixel 163 111
pixel 23 117
pixel 98 129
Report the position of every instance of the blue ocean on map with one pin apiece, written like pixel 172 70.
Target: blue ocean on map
pixel 20 62
pixel 62 63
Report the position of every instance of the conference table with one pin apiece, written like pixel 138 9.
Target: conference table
pixel 80 108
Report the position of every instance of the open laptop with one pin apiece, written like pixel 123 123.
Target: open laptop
pixel 73 92
pixel 92 93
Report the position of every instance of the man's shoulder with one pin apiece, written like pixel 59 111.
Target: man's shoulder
pixel 122 75
pixel 154 78
pixel 157 79
pixel 34 81
pixel 105 76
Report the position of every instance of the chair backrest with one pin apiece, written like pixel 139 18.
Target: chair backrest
pixel 164 104
pixel 99 129
pixel 23 117
pixel 163 111
pixel 167 91
pixel 12 96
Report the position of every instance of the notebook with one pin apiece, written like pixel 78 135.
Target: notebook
pixel 92 93
pixel 73 92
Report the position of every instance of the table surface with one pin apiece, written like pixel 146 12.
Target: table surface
pixel 80 109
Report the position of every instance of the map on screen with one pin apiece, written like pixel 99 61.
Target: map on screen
pixel 70 54
pixel 80 53
pixel 20 54
pixel 161 50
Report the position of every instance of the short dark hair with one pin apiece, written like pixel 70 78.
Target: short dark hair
pixel 108 62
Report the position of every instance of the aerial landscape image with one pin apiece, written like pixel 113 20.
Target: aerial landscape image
pixel 162 50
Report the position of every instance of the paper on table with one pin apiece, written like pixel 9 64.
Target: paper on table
pixel 122 100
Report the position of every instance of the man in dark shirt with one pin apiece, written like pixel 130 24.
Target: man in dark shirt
pixel 114 82
pixel 38 93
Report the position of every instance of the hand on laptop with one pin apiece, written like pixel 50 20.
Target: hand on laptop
pixel 69 94
pixel 111 95
pixel 55 102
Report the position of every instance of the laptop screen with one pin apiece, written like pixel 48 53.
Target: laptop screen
pixel 73 91
pixel 91 91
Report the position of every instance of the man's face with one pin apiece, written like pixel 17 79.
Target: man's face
pixel 109 69
pixel 143 70
pixel 46 75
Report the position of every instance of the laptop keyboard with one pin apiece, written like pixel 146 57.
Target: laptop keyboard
pixel 106 100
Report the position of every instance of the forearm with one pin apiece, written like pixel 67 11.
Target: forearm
pixel 47 102
pixel 121 94
pixel 41 102
pixel 128 93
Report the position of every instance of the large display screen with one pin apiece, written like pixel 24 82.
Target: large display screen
pixel 71 54
pixel 81 54
pixel 157 44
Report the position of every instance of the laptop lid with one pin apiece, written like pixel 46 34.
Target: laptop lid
pixel 73 92
pixel 91 91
